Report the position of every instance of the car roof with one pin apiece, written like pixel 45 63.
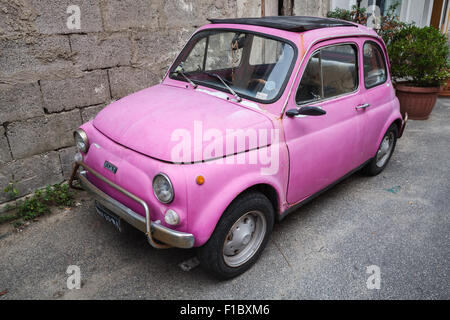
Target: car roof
pixel 288 23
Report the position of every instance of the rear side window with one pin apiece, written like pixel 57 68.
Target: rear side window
pixel 331 71
pixel 375 72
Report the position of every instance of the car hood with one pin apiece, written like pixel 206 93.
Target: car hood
pixel 183 125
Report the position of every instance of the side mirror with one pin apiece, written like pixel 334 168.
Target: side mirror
pixel 306 111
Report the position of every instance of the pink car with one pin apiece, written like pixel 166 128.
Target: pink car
pixel 254 118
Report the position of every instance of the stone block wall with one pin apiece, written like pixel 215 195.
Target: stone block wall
pixel 52 78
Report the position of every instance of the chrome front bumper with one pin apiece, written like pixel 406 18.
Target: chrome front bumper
pixel 154 231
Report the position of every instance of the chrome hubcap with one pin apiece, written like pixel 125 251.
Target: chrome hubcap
pixel 244 238
pixel 385 149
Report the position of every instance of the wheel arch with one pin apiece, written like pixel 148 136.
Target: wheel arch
pixel 393 120
pixel 203 232
pixel 399 123
pixel 269 191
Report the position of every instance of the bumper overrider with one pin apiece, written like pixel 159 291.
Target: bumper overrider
pixel 158 235
pixel 404 121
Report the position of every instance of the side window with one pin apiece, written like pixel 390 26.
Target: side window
pixel 339 70
pixel 331 71
pixel 374 65
pixel 310 87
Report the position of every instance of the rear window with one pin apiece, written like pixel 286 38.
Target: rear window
pixel 375 72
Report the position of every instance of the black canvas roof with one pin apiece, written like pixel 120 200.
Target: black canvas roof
pixel 289 23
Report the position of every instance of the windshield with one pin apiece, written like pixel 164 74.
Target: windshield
pixel 253 66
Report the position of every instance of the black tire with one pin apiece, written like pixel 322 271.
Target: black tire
pixel 212 255
pixel 373 168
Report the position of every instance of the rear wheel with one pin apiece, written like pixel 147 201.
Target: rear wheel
pixel 384 152
pixel 240 236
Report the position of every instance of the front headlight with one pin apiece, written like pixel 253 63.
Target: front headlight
pixel 162 188
pixel 81 140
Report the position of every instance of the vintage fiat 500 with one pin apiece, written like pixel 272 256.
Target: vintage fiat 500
pixel 254 118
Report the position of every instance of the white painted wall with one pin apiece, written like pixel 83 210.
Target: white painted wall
pixel 417 11
pixel 343 4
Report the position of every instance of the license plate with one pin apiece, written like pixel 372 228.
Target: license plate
pixel 110 218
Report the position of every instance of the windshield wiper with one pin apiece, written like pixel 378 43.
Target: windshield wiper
pixel 214 75
pixel 180 70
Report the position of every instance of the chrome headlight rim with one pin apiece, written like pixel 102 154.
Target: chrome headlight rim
pixel 165 176
pixel 82 134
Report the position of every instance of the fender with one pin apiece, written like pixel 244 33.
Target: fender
pixel 208 202
pixel 393 117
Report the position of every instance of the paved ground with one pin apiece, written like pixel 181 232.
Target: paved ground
pixel 398 221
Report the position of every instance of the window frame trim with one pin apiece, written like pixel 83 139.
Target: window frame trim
pixel 321 74
pixel 289 73
pixel 384 63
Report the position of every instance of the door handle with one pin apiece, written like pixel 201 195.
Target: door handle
pixel 362 106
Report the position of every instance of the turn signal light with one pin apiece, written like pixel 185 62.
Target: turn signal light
pixel 200 180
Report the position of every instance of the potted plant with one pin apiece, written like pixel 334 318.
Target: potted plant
pixel 419 66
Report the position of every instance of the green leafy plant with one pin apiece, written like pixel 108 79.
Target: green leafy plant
pixel 357 15
pixel 339 13
pixel 40 202
pixel 11 191
pixel 7 218
pixel 17 224
pixel 419 55
pixel 390 22
pixel 33 207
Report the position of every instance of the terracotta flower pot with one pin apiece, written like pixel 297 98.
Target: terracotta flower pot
pixel 416 101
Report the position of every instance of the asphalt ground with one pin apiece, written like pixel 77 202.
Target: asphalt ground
pixel 398 221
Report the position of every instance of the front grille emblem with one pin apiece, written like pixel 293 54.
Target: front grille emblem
pixel 110 167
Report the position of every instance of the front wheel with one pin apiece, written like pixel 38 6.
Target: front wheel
pixel 240 236
pixel 384 152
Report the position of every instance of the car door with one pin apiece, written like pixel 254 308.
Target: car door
pixel 324 148
pixel 378 95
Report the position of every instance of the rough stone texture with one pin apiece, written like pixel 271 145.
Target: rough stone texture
pixel 17 18
pixel 251 8
pixel 53 16
pixel 311 8
pixel 5 178
pixel 124 14
pixel 90 89
pixel 35 55
pixel 156 51
pixel 42 134
pixel 188 13
pixel 20 102
pixel 6 206
pixel 34 172
pixel 89 113
pixel 96 51
pixel 5 155
pixel 52 78
pixel 128 80
pixel 66 156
